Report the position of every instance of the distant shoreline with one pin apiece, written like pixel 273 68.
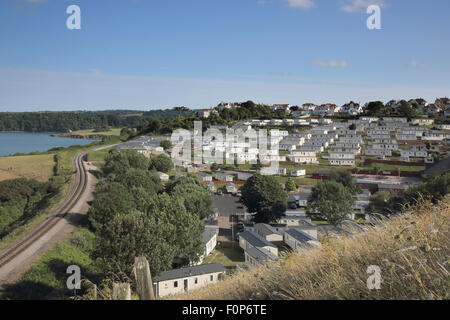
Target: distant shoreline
pixel 81 137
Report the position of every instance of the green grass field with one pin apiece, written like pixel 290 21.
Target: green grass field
pixel 39 167
pixel 99 156
pixel 228 257
pixel 391 167
pixel 112 132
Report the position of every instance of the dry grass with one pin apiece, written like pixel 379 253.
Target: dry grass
pixel 39 167
pixel 338 270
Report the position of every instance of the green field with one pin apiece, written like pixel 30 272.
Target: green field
pixel 99 156
pixel 39 167
pixel 391 167
pixel 228 257
pixel 111 132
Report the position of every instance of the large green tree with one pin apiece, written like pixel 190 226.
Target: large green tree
pixel 196 195
pixel 110 200
pixel 331 200
pixel 161 163
pixel 120 162
pixel 345 178
pixel 264 196
pixel 290 185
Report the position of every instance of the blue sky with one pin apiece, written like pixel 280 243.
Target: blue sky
pixel 147 54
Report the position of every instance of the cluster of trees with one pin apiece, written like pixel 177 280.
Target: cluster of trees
pixel 378 109
pixel 133 214
pixel 249 110
pixel 333 199
pixel 20 199
pixel 433 187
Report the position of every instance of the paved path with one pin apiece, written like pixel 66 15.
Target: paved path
pixel 442 166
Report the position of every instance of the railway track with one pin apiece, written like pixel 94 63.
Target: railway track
pixel 59 213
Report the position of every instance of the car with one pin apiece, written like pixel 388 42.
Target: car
pixel 292 205
pixel 239 193
pixel 220 193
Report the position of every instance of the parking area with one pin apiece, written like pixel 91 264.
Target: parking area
pixel 227 206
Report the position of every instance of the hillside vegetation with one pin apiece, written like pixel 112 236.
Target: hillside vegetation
pixel 412 252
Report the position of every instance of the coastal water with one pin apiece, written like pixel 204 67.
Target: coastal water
pixel 23 142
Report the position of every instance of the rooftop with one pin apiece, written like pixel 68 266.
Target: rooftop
pixel 255 239
pixel 261 254
pixel 266 229
pixel 299 235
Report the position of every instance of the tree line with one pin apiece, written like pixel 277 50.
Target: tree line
pixel 66 121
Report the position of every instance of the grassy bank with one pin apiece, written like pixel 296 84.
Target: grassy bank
pixel 47 278
pixel 412 252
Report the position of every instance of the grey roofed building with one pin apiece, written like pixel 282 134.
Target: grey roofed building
pixel 265 230
pixel 207 235
pixel 255 239
pixel 189 272
pixel 261 255
pixel 300 235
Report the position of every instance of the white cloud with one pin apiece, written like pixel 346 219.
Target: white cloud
pixel 361 5
pixel 417 64
pixel 303 4
pixel 330 64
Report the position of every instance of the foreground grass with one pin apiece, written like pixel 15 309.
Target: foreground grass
pixel 412 252
pixel 47 278
pixel 39 167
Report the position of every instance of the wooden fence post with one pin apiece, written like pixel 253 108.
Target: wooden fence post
pixel 121 291
pixel 144 283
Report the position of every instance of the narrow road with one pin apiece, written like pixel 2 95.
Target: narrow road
pixel 442 166
pixel 19 257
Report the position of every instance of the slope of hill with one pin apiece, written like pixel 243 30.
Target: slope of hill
pixel 412 252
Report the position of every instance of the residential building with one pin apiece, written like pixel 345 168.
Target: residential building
pixel 249 239
pixel 298 173
pixel 255 256
pixel 299 240
pixel 185 279
pixel 163 176
pixel 206 113
pixel 268 232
